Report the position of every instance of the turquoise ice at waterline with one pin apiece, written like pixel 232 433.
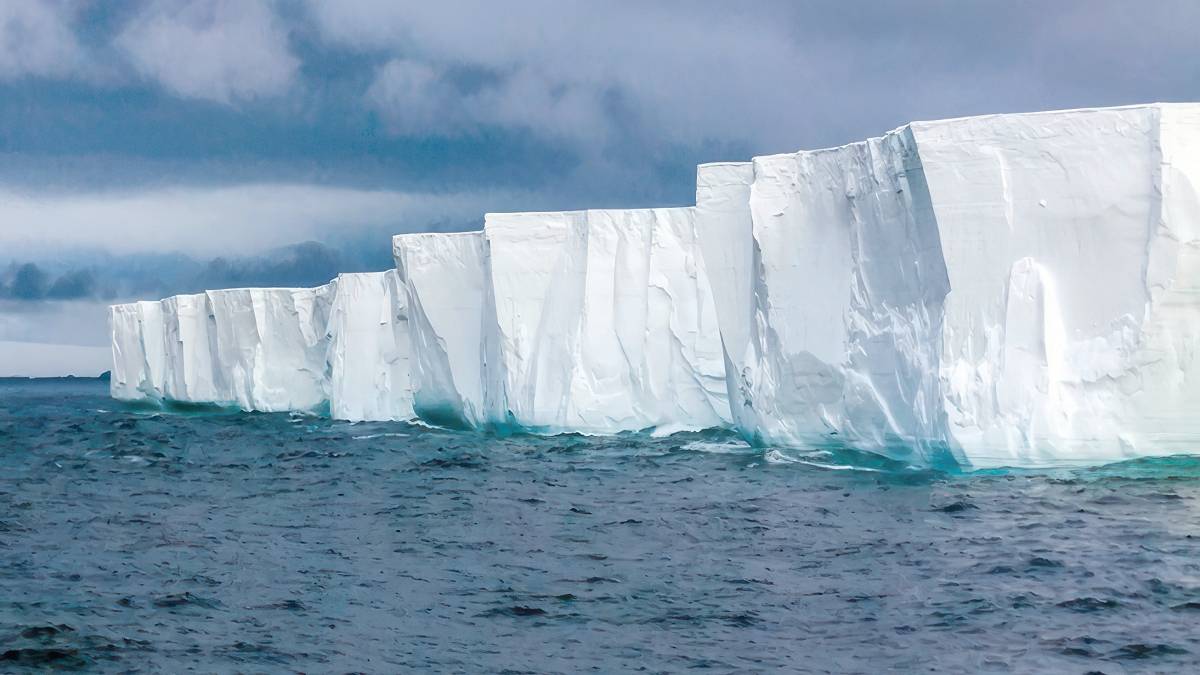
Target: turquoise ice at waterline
pixel 998 291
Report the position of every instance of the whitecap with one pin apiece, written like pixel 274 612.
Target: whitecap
pixel 368 437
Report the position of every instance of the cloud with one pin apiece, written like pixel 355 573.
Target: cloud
pixel 226 51
pixel 29 282
pixel 646 72
pixel 74 285
pixel 422 99
pixel 37 39
pixel 301 265
pixel 30 359
pixel 80 322
pixel 777 75
pixel 415 98
pixel 574 71
pixel 211 221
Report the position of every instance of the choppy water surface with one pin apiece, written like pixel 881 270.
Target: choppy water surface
pixel 136 540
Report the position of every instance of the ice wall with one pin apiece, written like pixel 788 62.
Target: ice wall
pixel 344 344
pixel 368 351
pixel 269 347
pixel 189 346
pixel 830 283
pixel 139 357
pixel 1005 290
pixel 605 321
pixel 1070 240
pixel 725 236
pixel 445 277
pixel 535 294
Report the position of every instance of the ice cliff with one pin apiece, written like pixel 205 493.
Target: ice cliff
pixel 830 280
pixel 445 276
pixel 367 353
pixel 1003 290
pixel 1000 290
pixel 590 321
pixel 1071 247
pixel 604 321
pixel 343 345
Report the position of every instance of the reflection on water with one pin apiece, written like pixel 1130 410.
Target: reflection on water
pixel 132 538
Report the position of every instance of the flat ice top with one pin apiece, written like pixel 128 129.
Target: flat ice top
pixel 1021 287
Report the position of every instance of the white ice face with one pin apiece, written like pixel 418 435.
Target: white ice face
pixel 189 345
pixel 129 356
pixel 271 349
pixel 605 321
pixel 1009 289
pixel 1070 242
pixel 1004 290
pixel 368 348
pixel 829 283
pixel 444 276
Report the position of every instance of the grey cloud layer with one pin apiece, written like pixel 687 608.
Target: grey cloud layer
pixel 774 74
pixel 225 51
pixel 211 221
pixel 64 302
pixel 152 147
pixel 308 263
pixel 36 38
pixel 29 281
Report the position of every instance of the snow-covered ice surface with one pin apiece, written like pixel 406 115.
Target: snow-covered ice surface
pixel 269 351
pixel 830 282
pixel 368 350
pixel 445 277
pixel 1007 290
pixel 1070 240
pixel 605 322
pixel 343 345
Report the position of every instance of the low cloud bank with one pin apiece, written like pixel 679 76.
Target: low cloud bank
pixel 30 282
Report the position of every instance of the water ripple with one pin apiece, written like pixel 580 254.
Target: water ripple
pixel 201 539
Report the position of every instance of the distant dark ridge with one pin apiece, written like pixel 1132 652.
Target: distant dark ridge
pixel 102 377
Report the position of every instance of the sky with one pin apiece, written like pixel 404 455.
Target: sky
pixel 153 147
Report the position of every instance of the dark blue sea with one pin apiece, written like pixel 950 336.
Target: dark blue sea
pixel 137 540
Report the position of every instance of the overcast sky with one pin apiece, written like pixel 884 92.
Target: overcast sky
pixel 154 147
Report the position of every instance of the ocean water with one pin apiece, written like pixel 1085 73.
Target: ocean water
pixel 201 540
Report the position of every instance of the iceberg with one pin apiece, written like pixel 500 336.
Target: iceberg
pixel 1005 290
pixel 1070 241
pixel 342 346
pixel 1009 290
pixel 368 348
pixel 139 355
pixel 269 347
pixel 831 283
pixel 604 322
pixel 444 276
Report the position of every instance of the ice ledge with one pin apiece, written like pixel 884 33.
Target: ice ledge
pixel 1000 290
pixel 341 347
pixel 1055 332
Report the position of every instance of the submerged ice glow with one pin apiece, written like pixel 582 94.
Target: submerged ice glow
pixel 1003 290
